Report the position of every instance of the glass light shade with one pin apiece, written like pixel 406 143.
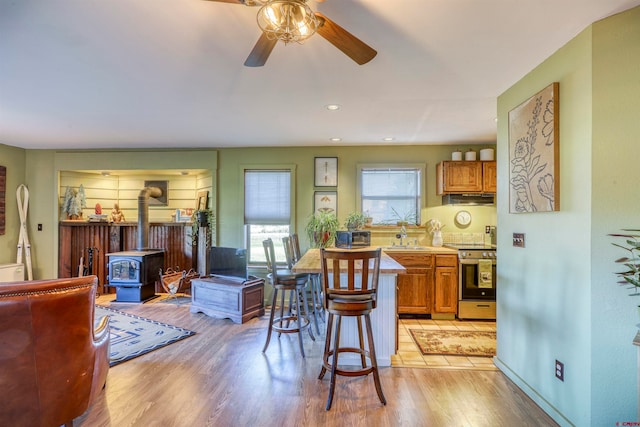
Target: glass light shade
pixel 287 20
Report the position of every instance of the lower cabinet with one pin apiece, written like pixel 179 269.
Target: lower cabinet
pixel 429 285
pixel 415 286
pixel 446 284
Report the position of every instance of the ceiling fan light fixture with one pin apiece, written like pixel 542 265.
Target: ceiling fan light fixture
pixel 287 20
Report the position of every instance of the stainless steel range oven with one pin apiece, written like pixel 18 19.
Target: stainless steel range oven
pixel 477 282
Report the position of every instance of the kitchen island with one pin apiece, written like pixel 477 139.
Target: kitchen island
pixel 383 318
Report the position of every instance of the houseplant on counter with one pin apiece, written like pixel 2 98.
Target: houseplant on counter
pixel 321 229
pixel 203 218
pixel 355 221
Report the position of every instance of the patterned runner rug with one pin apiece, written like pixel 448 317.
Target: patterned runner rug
pixel 133 336
pixel 458 343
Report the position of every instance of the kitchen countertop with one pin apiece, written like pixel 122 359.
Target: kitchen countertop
pixel 310 262
pixel 438 250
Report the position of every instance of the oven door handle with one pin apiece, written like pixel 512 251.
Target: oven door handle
pixel 473 261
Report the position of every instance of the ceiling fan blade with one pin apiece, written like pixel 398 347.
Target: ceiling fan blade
pixel 229 1
pixel 349 44
pixel 261 51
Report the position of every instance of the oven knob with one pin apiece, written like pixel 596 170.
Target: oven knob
pixel 484 254
pixel 463 254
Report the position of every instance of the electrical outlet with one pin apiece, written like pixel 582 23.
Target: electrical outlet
pixel 39 227
pixel 559 370
pixel 518 240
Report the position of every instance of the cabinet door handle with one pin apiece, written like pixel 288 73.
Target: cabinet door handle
pixel 483 305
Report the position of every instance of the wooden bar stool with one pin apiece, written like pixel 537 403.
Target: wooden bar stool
pixel 292 252
pixel 316 287
pixel 350 285
pixel 284 280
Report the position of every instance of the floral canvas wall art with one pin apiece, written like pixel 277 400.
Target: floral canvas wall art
pixel 533 153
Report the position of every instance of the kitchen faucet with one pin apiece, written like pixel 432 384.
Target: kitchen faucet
pixel 402 234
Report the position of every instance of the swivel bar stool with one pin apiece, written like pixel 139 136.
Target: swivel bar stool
pixel 293 256
pixel 350 285
pixel 316 291
pixel 284 280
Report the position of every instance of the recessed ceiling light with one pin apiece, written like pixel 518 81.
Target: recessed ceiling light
pixel 332 107
pixel 335 139
pixel 388 139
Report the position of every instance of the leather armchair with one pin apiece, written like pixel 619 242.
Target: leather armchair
pixel 53 361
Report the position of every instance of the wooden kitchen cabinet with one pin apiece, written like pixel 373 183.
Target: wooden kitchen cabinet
pixel 459 177
pixel 453 177
pixel 446 285
pixel 489 177
pixel 415 286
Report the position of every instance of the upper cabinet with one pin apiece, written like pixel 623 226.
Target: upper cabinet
pixel 489 177
pixel 454 177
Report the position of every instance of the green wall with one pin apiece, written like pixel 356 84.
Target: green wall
pixel 230 201
pixel 558 296
pixel 42 169
pixel 14 160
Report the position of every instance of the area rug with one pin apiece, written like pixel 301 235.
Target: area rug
pixel 453 342
pixel 132 336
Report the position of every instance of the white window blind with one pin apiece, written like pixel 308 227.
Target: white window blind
pixel 389 194
pixel 267 197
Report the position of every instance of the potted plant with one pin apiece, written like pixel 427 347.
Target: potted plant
pixel 321 229
pixel 405 219
pixel 355 221
pixel 203 218
pixel 368 219
pixel 631 276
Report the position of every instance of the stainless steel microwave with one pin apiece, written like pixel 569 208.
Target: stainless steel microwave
pixel 350 239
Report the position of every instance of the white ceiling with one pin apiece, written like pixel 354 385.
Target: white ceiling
pixel 169 73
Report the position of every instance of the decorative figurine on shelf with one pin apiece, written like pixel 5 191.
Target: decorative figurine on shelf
pixel 116 214
pixel 74 202
pixel 98 209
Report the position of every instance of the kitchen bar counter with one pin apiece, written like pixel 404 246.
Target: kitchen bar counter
pixel 436 250
pixel 383 318
pixel 310 262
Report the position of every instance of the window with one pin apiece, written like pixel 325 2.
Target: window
pixel 267 210
pixel 391 193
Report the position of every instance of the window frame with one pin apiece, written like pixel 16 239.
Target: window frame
pixel 288 167
pixel 416 166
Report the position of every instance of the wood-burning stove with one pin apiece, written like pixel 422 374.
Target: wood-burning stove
pixel 134 274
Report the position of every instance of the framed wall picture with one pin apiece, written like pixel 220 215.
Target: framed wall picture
pixel 326 172
pixel 534 164
pixel 202 200
pixel 325 201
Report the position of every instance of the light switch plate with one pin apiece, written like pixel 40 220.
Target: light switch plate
pixel 518 240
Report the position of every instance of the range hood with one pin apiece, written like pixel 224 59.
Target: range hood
pixel 468 199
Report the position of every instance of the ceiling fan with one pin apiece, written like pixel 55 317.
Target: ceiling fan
pixel 293 20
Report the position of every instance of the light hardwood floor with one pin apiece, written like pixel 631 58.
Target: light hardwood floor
pixel 220 377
